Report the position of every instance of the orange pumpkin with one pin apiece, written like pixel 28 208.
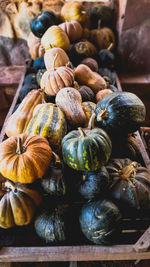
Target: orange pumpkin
pixel 73 29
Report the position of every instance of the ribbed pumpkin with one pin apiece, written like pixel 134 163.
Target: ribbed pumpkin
pixel 85 149
pixel 61 60
pixel 73 29
pixel 56 78
pixel 24 158
pixel 55 37
pixel 48 121
pixel 18 121
pixel 34 44
pixel 129 183
pixel 17 205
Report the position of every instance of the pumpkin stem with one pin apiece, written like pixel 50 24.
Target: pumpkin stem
pixel 129 171
pixel 53 64
pixel 70 65
pixel 99 24
pixel 91 124
pixel 83 12
pixel 41 50
pixel 56 158
pixel 81 132
pixel 10 185
pixel 82 48
pixel 19 148
pixel 102 115
pixel 110 47
pixel 76 85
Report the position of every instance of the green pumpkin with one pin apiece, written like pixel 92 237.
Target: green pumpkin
pixel 85 149
pixel 120 112
pixel 99 221
pixel 101 12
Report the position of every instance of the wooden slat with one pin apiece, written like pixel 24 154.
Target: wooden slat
pixel 134 78
pixel 143 244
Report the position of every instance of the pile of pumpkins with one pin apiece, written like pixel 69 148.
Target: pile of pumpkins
pixel 70 139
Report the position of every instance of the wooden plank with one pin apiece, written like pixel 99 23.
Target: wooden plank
pixel 134 78
pixel 73 264
pixel 143 244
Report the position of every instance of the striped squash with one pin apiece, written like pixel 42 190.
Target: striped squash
pixel 48 121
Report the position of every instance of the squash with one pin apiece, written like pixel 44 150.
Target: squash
pixel 25 89
pixel 56 78
pixel 107 73
pixel 91 63
pixel 106 58
pixel 24 158
pixel 53 182
pixel 30 79
pixel 55 37
pixel 34 45
pixel 99 221
pixel 40 23
pixel 18 121
pixel 103 13
pixel 73 29
pixel 38 64
pixel 86 93
pixel 61 60
pixel 94 183
pixel 48 121
pixel 129 183
pixel 84 75
pixel 84 48
pixel 102 37
pixel 85 149
pixel 50 224
pixel 88 108
pixel 69 100
pixel 39 75
pixel 102 93
pixel 120 112
pixel 17 205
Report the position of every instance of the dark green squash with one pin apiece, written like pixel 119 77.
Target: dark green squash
pixel 105 72
pixel 129 183
pixel 120 112
pixel 25 89
pixel 94 184
pixel 85 149
pixel 40 23
pixel 99 221
pixel 101 12
pixel 38 64
pixel 106 59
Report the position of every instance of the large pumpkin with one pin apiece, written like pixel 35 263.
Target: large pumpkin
pixel 24 158
pixel 17 204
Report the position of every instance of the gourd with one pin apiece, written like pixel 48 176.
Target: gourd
pixel 34 45
pixel 103 13
pixel 61 60
pixel 99 221
pixel 73 29
pixel 86 149
pixel 102 93
pixel 84 75
pixel 18 121
pixel 39 75
pixel 24 158
pixel 38 64
pixel 86 93
pixel 48 121
pixel 104 72
pixel 69 100
pixel 18 204
pixel 105 58
pixel 55 37
pixel 84 48
pixel 88 108
pixel 129 183
pixel 40 23
pixel 91 63
pixel 120 112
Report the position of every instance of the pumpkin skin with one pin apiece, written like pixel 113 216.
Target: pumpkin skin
pixel 86 93
pixel 25 89
pixel 106 59
pixel 40 23
pixel 55 79
pixel 48 121
pixel 24 158
pixel 99 221
pixel 129 183
pixel 120 112
pixel 102 93
pixel 73 29
pixel 84 49
pixel 38 64
pixel 18 121
pixel 86 150
pixel 34 44
pixel 55 37
pixel 17 205
pixel 61 60
pixel 104 72
pixel 103 13
pixel 88 108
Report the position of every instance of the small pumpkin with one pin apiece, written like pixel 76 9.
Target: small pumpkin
pixel 101 12
pixel 99 221
pixel 102 93
pixel 84 48
pixel 17 204
pixel 61 60
pixel 40 23
pixel 24 158
pixel 35 48
pixel 69 100
pixel 86 93
pixel 91 63
pixel 106 58
pixel 55 37
pixel 129 183
pixel 104 72
pixel 73 29
pixel 88 108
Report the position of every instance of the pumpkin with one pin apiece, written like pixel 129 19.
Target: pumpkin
pixel 38 64
pixel 104 72
pixel 48 121
pixel 18 121
pixel 24 158
pixel 99 221
pixel 105 58
pixel 84 75
pixel 85 149
pixel 120 112
pixel 56 78
pixel 69 100
pixel 113 88
pixel 26 88
pixel 102 37
pixel 34 45
pixel 30 79
pixel 86 93
pixel 94 183
pixel 84 48
pixel 91 63
pixel 102 93
pixel 88 108
pixel 55 37
pixel 50 224
pixel 39 75
pixel 40 23
pixel 53 182
pixel 17 204
pixel 101 12
pixel 75 11
pixel 129 183
pixel 61 60
pixel 73 29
